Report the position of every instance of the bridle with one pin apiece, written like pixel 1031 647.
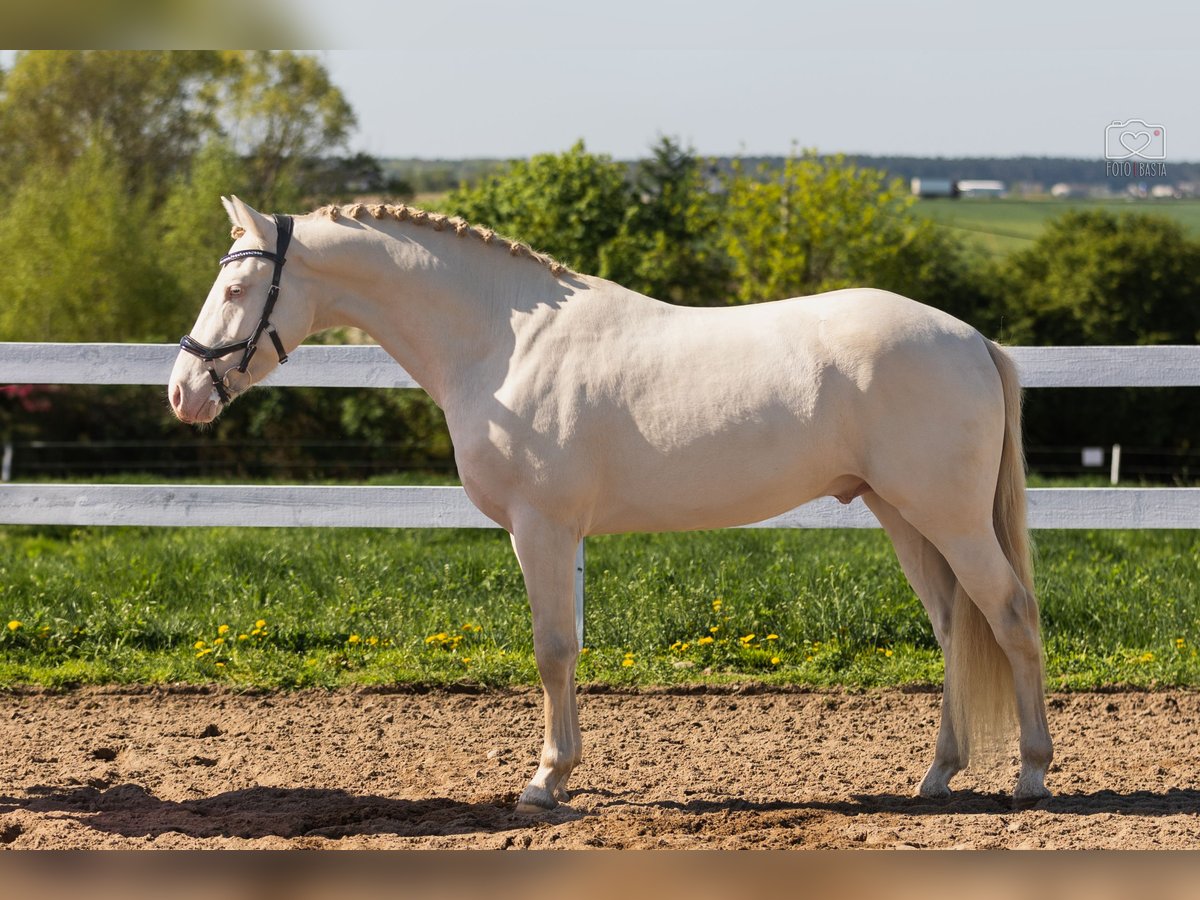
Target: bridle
pixel 190 345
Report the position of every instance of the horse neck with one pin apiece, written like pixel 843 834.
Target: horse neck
pixel 433 301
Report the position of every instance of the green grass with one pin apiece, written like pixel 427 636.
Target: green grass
pixel 106 605
pixel 1000 226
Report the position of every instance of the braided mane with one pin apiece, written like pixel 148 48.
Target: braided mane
pixel 440 222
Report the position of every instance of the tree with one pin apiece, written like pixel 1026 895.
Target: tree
pixel 1094 277
pixel 80 256
pixel 195 227
pixel 151 108
pixel 569 205
pixel 155 109
pixel 818 224
pixel 667 246
pixel 285 110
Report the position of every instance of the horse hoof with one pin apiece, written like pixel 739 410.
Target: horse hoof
pixel 1027 798
pixel 933 791
pixel 535 800
pixel 1030 789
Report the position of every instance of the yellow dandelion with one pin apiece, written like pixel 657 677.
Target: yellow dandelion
pixel 372 641
pixel 199 645
pixel 772 637
pixel 705 640
pixel 13 624
pixel 887 652
pixel 774 660
pixel 220 665
pixel 353 639
pixel 222 629
pixel 627 662
pixel 204 652
pixel 584 650
pixel 716 605
pixel 218 641
pixel 260 624
pixel 715 629
pixel 466 659
pixel 243 637
pixel 746 639
pixel 1179 642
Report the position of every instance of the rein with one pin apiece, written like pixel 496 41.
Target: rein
pixel 189 344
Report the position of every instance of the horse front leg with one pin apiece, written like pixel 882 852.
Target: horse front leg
pixel 546 552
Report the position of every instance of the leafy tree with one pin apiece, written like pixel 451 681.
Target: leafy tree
pixel 286 111
pixel 569 205
pixel 821 223
pixel 195 227
pixel 1094 277
pixel 155 109
pixel 80 258
pixel 152 108
pixel 667 246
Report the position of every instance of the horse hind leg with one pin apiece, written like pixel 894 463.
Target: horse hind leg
pixel 546 553
pixel 1009 623
pixel 934 583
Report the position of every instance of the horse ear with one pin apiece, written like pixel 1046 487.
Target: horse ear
pixel 244 216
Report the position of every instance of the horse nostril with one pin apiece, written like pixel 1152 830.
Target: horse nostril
pixel 177 397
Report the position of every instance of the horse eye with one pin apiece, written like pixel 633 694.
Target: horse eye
pixel 235 290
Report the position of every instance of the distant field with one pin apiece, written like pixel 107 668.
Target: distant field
pixel 1001 226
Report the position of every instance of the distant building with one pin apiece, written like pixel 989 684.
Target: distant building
pixel 981 188
pixel 933 187
pixel 1164 192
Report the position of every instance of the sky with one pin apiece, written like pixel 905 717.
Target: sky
pixel 510 78
pixel 925 78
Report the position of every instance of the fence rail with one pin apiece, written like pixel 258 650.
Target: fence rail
pixel 325 506
pixel 369 366
pixel 448 507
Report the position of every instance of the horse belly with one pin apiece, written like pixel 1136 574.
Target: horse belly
pixel 735 479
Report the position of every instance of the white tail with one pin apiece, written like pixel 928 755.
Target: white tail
pixel 981 697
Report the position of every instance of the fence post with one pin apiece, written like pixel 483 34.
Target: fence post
pixel 6 464
pixel 1114 471
pixel 579 563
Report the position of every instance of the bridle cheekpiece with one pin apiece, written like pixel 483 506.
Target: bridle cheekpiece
pixel 189 344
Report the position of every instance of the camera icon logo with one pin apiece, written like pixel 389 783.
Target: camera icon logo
pixel 1135 138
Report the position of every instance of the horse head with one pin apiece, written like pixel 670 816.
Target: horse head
pixel 219 358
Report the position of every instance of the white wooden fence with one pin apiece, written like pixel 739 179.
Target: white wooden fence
pixel 448 507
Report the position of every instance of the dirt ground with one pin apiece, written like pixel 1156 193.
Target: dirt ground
pixel 734 768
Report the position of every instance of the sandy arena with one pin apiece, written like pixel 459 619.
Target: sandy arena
pixel 730 768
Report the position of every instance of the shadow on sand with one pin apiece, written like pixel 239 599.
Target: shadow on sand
pixel 132 811
pixel 1134 803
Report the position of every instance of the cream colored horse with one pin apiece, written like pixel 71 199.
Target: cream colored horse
pixel 578 407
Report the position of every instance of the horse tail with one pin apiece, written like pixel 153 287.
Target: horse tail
pixel 981 694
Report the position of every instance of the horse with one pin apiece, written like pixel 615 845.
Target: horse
pixel 578 407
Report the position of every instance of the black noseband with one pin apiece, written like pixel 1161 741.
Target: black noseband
pixel 189 344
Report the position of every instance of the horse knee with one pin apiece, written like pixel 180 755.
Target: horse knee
pixel 556 655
